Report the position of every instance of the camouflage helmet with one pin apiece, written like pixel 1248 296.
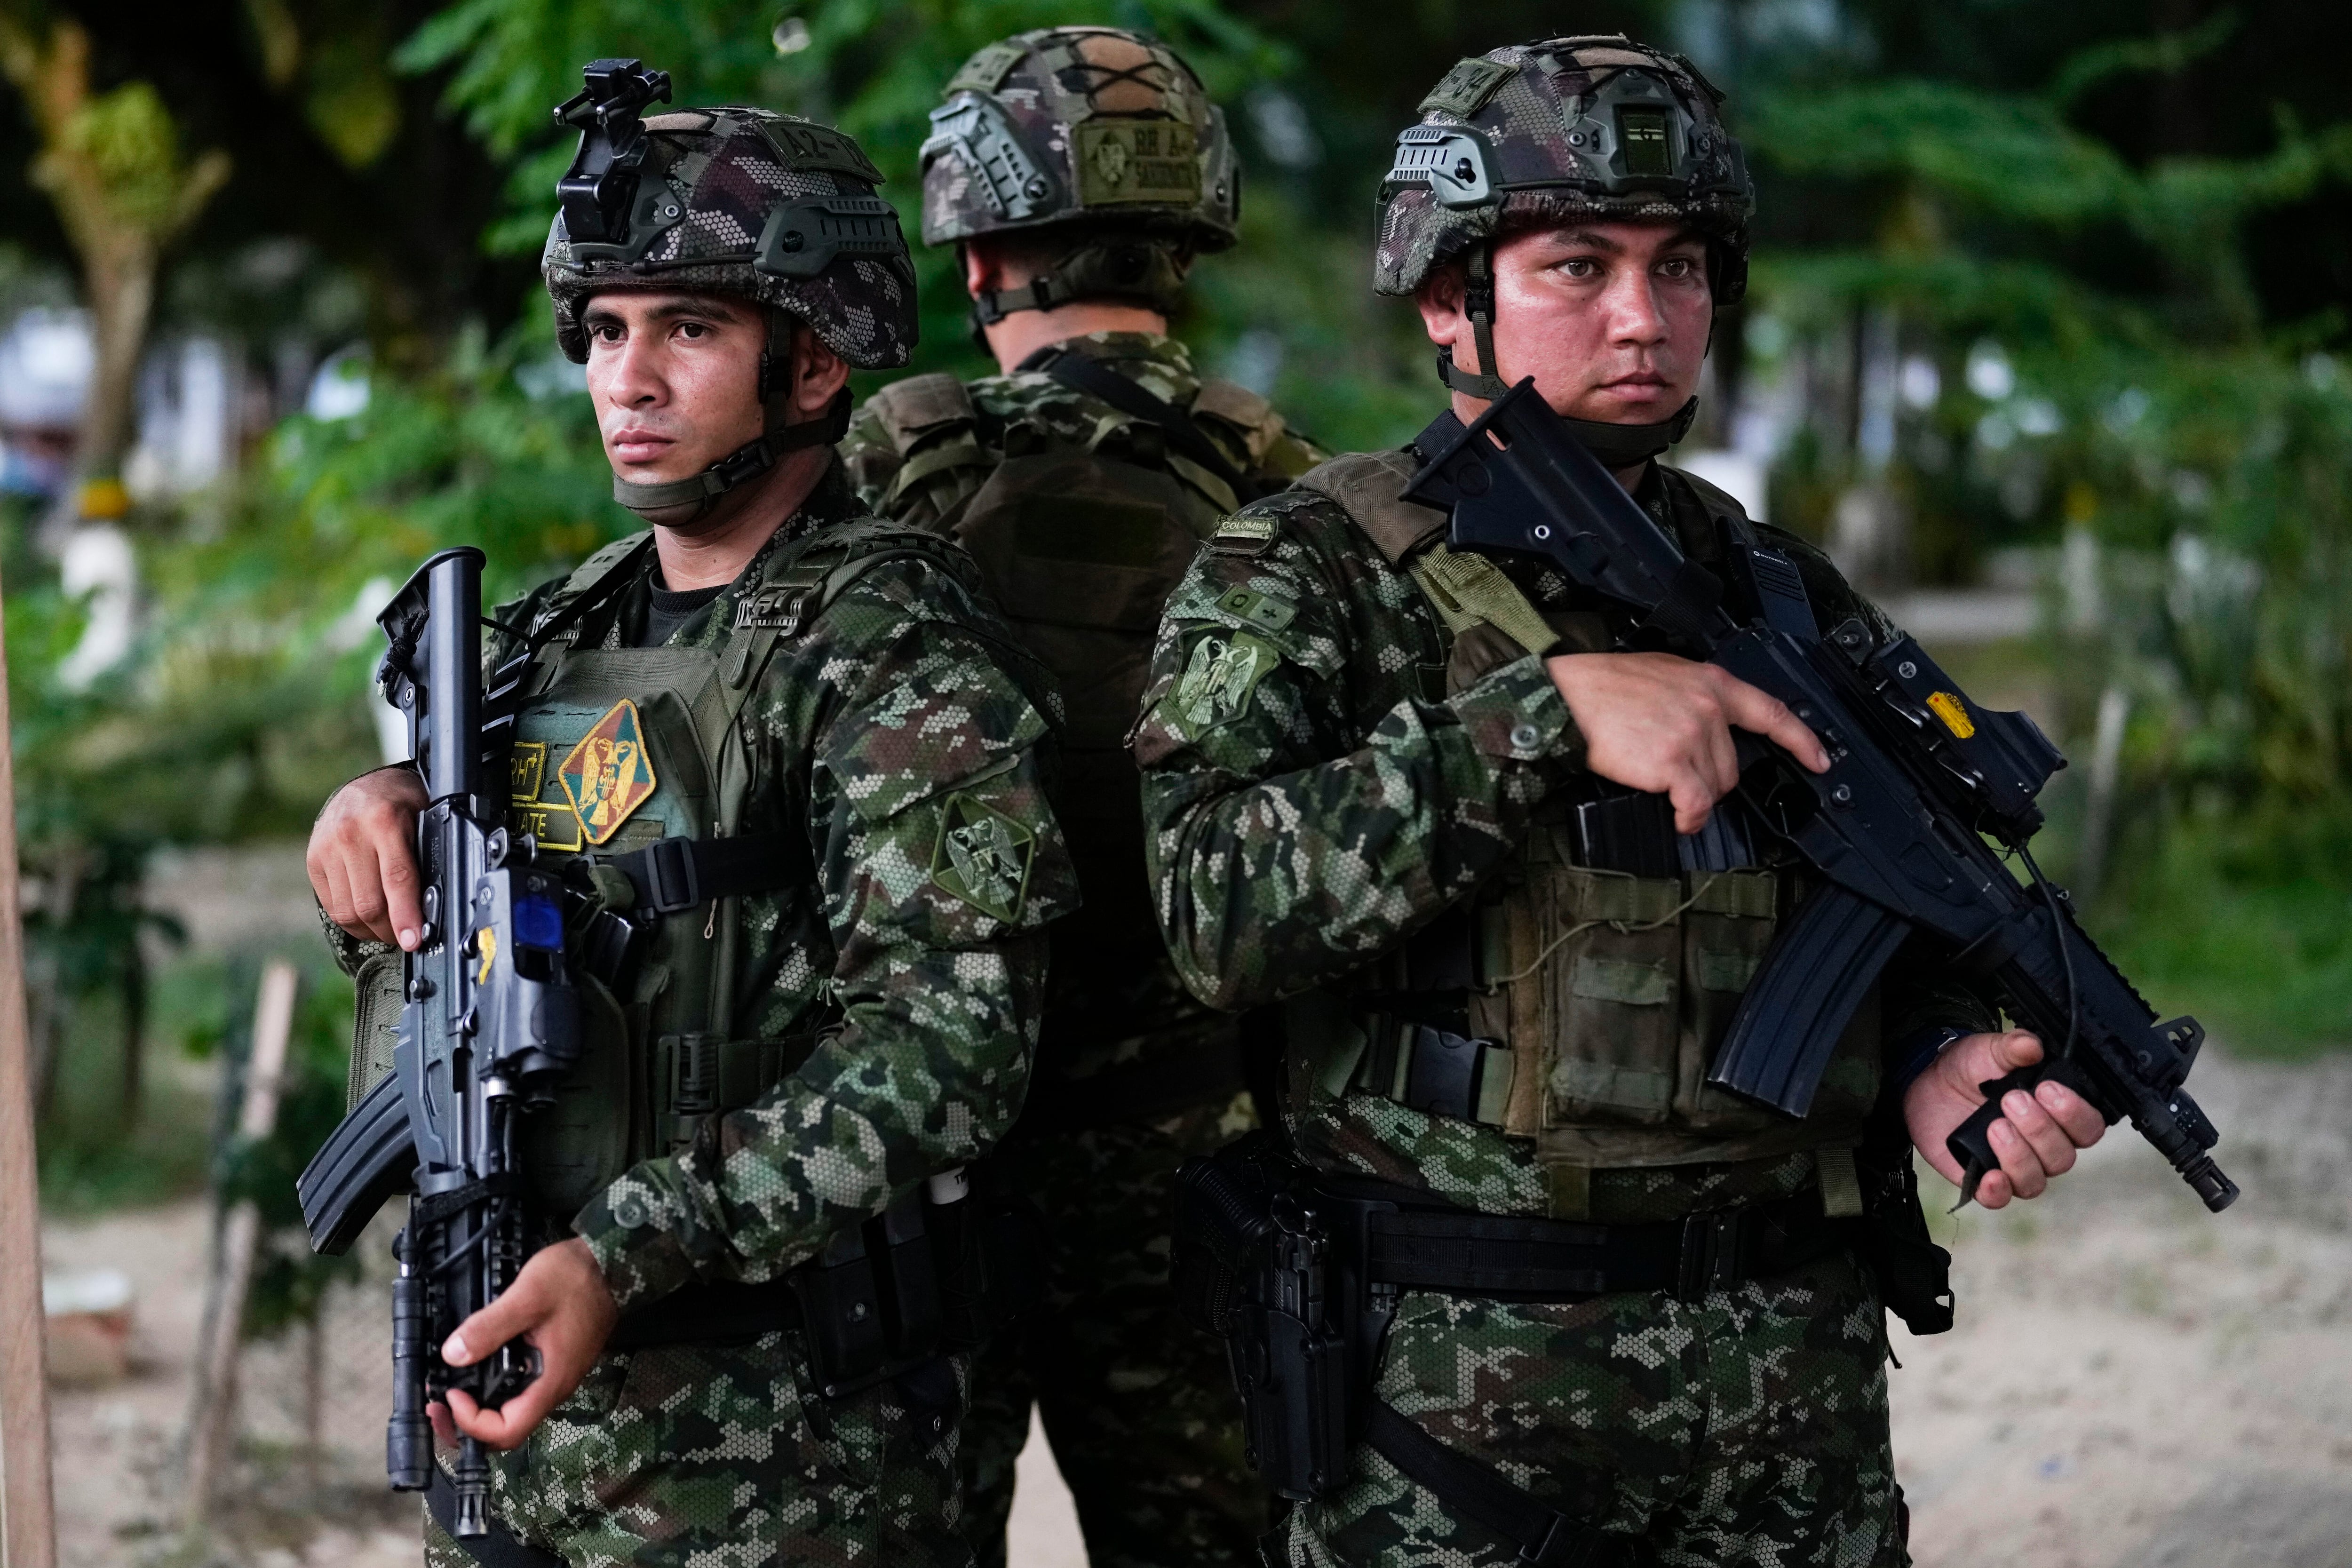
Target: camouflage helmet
pixel 1594 126
pixel 1088 131
pixel 767 207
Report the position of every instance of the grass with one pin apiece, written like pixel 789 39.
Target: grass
pixel 2265 961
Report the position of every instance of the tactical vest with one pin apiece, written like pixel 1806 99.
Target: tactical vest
pixel 1081 545
pixel 618 750
pixel 1594 999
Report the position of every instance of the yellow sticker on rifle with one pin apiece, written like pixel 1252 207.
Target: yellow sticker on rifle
pixel 1953 712
pixel 486 943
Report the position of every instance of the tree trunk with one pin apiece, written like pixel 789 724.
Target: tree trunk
pixel 134 1030
pixel 120 278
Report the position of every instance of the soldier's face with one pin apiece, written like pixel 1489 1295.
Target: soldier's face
pixel 675 378
pixel 1611 319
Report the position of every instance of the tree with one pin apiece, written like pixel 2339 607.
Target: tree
pixel 112 162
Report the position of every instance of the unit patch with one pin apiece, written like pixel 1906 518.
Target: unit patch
pixel 551 824
pixel 1224 670
pixel 984 856
pixel 608 774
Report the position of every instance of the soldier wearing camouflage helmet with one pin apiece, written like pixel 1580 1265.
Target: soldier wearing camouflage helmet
pixel 794 763
pixel 1590 1308
pixel 1079 171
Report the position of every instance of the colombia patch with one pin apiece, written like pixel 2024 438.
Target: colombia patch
pixel 608 774
pixel 984 856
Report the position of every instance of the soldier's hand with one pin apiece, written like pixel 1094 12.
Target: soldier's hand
pixel 2037 1135
pixel 362 856
pixel 560 1304
pixel 1663 725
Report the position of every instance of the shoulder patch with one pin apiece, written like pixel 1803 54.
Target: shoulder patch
pixel 1219 672
pixel 1261 610
pixel 983 857
pixel 1245 533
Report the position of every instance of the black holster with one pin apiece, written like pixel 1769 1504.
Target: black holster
pixel 915 1281
pixel 1260 1261
pixel 1914 1275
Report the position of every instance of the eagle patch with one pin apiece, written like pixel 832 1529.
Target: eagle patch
pixel 608 774
pixel 984 856
pixel 1219 675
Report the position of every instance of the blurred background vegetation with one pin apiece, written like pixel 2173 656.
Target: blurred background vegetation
pixel 2047 341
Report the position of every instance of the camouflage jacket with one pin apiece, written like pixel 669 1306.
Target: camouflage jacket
pixel 1314 795
pixel 921 454
pixel 905 686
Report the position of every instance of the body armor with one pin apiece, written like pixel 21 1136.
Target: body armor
pixel 1080 545
pixel 618 750
pixel 1573 1004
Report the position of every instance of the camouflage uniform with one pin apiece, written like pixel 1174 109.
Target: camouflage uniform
pixel 1336 775
pixel 788 1061
pixel 1136 1401
pixel 1083 516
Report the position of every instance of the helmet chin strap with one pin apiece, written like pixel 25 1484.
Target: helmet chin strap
pixel 1616 445
pixel 755 457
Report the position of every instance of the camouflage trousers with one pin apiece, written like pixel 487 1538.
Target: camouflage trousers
pixel 1137 1404
pixel 724 1457
pixel 1748 1430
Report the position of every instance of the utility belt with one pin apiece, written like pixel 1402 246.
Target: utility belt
pixel 935 1272
pixel 1299 1272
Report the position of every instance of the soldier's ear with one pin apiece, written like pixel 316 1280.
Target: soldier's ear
pixel 818 372
pixel 984 267
pixel 1439 298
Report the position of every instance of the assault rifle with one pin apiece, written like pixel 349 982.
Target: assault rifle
pixel 1919 778
pixel 490 1021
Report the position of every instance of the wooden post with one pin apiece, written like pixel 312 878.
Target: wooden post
pixel 212 1423
pixel 27 1527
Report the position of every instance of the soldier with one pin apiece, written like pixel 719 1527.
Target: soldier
pixel 1079 171
pixel 826 802
pixel 1364 758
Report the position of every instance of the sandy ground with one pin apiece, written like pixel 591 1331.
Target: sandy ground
pixel 2133 1384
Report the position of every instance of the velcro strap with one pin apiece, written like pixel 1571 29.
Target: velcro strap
pixel 1750 895
pixel 1474 1490
pixel 672 875
pixel 1618 899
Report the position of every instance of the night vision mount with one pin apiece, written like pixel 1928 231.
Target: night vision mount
pixel 599 189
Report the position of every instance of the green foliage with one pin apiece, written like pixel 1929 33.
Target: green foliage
pixel 2130 387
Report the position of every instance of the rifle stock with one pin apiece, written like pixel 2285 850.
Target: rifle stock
pixel 1918 777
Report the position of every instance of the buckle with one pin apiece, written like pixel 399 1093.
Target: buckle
pixel 1710 1254
pixel 1442 1071
pixel 670 876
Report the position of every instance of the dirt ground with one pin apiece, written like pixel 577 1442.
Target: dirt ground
pixel 2133 1384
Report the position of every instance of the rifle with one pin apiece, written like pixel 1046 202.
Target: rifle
pixel 1919 778
pixel 490 1021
